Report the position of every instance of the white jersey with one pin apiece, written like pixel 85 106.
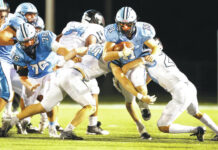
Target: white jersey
pixel 92 63
pixel 165 72
pixel 76 33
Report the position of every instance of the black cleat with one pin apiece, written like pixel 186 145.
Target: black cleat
pixel 93 130
pixel 70 135
pixel 146 136
pixel 59 128
pixel 200 134
pixel 31 129
pixel 6 126
pixel 215 138
pixel 146 114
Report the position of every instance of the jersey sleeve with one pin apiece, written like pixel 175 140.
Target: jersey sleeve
pixel 111 34
pixel 17 57
pixel 148 31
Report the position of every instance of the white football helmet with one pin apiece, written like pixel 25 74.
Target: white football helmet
pixel 25 33
pixel 26 7
pixel 126 19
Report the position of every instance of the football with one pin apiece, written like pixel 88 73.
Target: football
pixel 120 46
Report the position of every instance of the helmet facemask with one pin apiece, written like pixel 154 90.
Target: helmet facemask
pixel 128 29
pixel 126 19
pixel 30 50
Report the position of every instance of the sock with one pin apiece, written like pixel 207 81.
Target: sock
pixel 140 127
pixel 93 121
pixel 69 127
pixel 209 122
pixel 8 108
pixel 51 124
pixel 177 128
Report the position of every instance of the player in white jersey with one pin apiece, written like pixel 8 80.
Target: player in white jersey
pixel 78 34
pixel 184 96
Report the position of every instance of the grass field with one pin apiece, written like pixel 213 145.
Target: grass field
pixel 123 132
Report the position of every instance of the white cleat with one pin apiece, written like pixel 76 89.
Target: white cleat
pixel 53 132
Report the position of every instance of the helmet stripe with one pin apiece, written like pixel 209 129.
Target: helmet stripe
pixel 23 31
pixel 125 13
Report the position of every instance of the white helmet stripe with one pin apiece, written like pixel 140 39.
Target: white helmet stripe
pixel 125 13
pixel 23 31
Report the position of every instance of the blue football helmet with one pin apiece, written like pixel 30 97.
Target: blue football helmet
pixel 126 19
pixel 25 33
pixel 93 16
pixel 24 8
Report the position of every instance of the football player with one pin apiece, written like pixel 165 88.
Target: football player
pixel 164 72
pixel 77 34
pixel 141 34
pixel 9 78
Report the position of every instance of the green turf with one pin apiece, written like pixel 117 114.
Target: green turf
pixel 123 133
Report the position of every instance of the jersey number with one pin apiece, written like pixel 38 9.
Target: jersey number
pixel 42 65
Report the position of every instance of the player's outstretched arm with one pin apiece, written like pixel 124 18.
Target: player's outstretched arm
pixel 6 36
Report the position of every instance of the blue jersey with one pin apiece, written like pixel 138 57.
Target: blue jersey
pixel 45 58
pixel 14 22
pixel 144 32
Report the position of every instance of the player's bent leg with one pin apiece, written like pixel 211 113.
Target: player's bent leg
pixel 193 110
pixel 141 128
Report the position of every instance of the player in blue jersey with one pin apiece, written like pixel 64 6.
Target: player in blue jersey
pixel 9 78
pixel 141 34
pixel 25 12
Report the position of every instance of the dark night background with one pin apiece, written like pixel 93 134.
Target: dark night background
pixel 187 29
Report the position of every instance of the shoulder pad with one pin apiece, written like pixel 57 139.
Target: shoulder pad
pixel 111 33
pixel 71 25
pixel 147 29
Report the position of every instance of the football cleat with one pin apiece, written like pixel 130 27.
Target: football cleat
pixel 53 132
pixel 70 135
pixel 31 129
pixel 200 133
pixel 143 106
pixel 19 128
pixel 93 130
pixel 215 138
pixel 146 114
pixel 146 136
pixel 59 128
pixel 6 126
